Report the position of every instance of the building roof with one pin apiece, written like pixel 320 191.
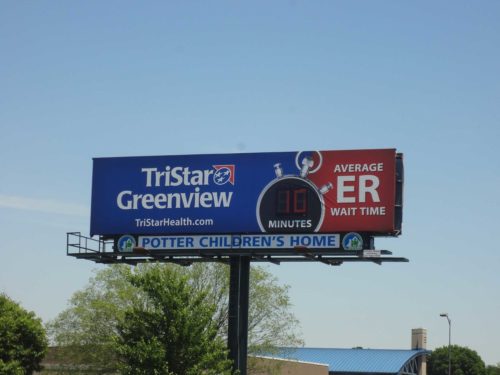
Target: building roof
pixel 383 361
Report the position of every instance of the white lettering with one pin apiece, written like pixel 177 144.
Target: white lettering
pixel 206 200
pixel 177 176
pixel 344 168
pixel 127 200
pixel 342 189
pixel 149 173
pixel 222 199
pixel 147 201
pixel 364 189
pixel 366 185
pixel 160 201
pixel 343 211
pixel 119 200
pixel 373 211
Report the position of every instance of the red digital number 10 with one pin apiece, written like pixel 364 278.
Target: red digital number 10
pixel 292 201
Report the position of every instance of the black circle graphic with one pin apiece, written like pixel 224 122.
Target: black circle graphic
pixel 290 205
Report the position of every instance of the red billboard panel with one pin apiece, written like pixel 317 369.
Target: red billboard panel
pixel 358 189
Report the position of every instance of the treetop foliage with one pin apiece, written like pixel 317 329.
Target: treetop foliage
pixel 464 361
pixel 493 369
pixel 173 333
pixel 96 313
pixel 23 342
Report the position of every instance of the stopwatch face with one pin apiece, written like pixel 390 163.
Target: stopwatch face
pixel 290 205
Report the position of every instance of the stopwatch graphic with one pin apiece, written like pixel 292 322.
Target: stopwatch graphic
pixel 293 203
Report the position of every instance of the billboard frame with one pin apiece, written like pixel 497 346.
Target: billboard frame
pixel 101 251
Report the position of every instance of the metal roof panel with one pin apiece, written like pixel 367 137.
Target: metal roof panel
pixel 385 361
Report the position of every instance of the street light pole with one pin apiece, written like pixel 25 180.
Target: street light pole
pixel 445 315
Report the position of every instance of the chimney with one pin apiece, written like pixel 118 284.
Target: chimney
pixel 418 338
pixel 419 341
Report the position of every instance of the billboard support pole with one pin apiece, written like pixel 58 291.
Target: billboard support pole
pixel 239 289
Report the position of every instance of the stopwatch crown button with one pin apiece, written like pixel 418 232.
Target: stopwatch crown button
pixel 307 163
pixel 278 170
pixel 326 188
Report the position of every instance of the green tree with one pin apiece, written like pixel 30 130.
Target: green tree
pixel 173 332
pixel 85 332
pixel 23 341
pixel 493 369
pixel 271 322
pixel 464 361
pixel 92 317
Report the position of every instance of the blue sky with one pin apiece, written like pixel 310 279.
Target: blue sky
pixel 93 79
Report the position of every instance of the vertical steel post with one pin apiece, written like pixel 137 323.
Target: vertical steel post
pixel 233 315
pixel 239 285
pixel 243 298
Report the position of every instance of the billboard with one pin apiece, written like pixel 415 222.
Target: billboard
pixel 250 193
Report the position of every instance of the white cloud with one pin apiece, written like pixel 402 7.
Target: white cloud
pixel 42 205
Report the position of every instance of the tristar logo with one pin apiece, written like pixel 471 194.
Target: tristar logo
pixel 224 174
pixel 174 180
pixel 177 176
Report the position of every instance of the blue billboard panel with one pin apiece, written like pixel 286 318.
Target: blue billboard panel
pixel 281 192
pixel 245 241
